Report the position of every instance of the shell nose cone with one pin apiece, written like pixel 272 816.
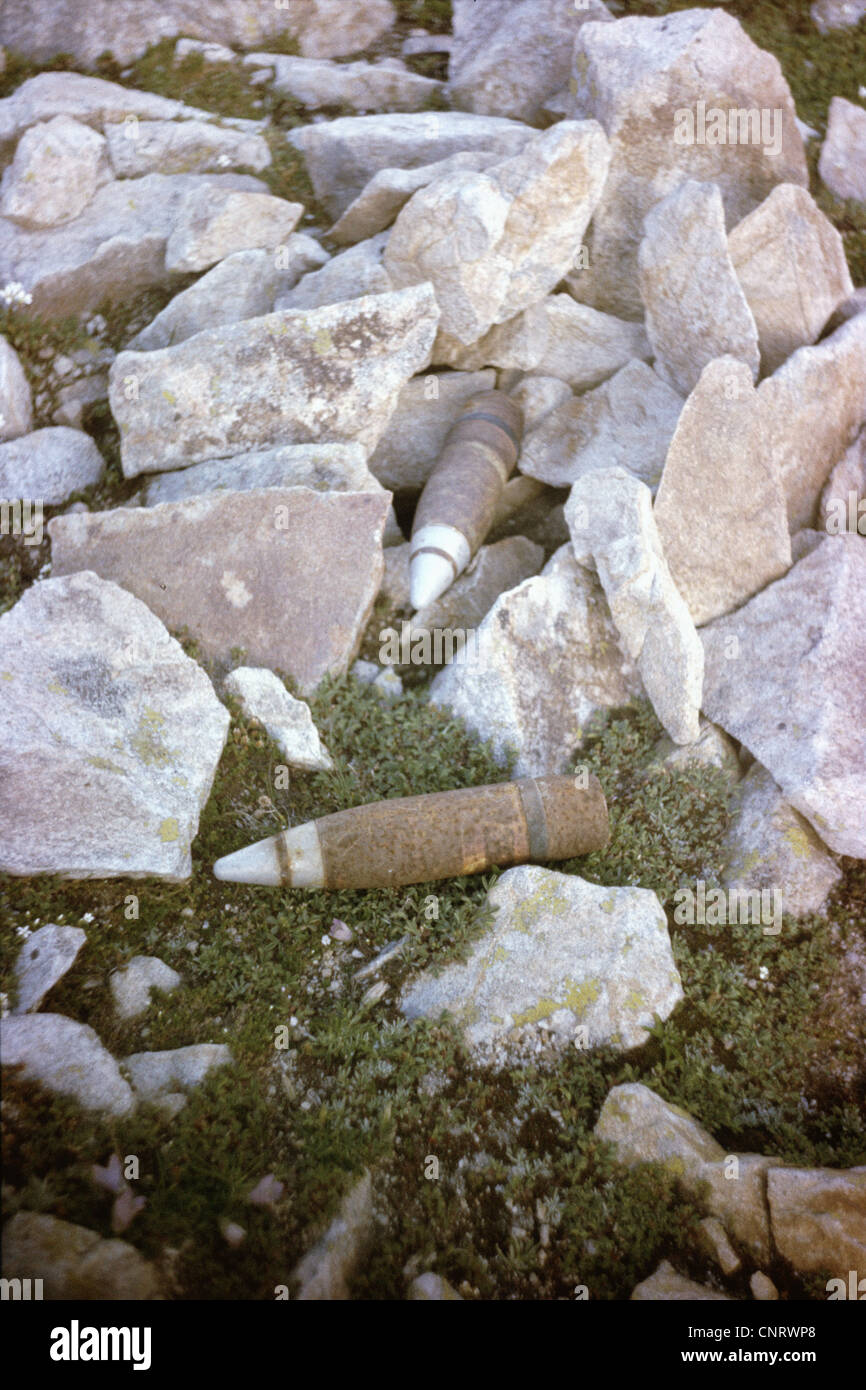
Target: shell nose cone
pixel 252 864
pixel 429 576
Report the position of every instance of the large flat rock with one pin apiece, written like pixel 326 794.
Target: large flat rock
pixel 66 1057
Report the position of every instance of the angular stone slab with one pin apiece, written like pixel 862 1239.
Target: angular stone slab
pixel 666 1285
pixel 843 501
pixel 769 846
pixel 389 190
pixel 287 574
pixel 695 308
pixel 495 570
pixel 45 959
pixel 786 675
pixel 818 1217
pixel 790 261
pixel 108 722
pixel 333 374
pixel 720 508
pixel 131 987
pixel 566 962
pixel 16 400
pixel 321 467
pixel 842 164
pixel 610 518
pixel 627 422
pixel 317 82
pixel 415 434
pixel 213 224
pixel 68 1058
pixel 57 168
pixel 352 273
pixel 49 464
pixel 183 147
pixel 74 1263
pixel 157 1074
pixel 286 720
pixel 546 659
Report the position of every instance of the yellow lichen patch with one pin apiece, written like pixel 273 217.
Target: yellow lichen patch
pixel 170 397
pixel 57 689
pixel 323 342
pixel 676 1166
pixel 543 1009
pixel 578 997
pixel 147 742
pixel 635 1001
pixel 6 676
pixel 545 900
pixel 799 841
pixel 608 905
pixel 169 830
pixel 106 765
pixel 500 954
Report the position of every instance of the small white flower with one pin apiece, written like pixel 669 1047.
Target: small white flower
pixel 88 917
pixel 23 932
pixel 4 1005
pixel 293 1022
pixel 326 940
pixel 224 160
pixel 764 972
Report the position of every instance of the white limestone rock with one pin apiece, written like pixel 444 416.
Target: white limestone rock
pixel 131 986
pixel 843 501
pixel 415 434
pixel 349 275
pixel 183 147
pixel 286 720
pixel 68 1058
pixel 318 82
pixel 842 164
pixel 389 190
pixel 49 464
pixel 43 960
pixel 16 399
pixel 157 1075
pixel 828 15
pixel 321 467
pixel 58 167
pixel 212 225
pixel 325 1272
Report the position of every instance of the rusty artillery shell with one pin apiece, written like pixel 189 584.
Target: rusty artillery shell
pixel 456 508
pixel 416 839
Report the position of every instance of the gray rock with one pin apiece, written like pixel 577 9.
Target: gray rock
pixel 790 261
pixel 843 501
pixel 514 230
pixel 349 275
pixel 666 1285
pixel 43 960
pixel 66 1057
pixel 287 574
pixel 762 1288
pixel 183 147
pixel 321 467
pixel 72 400
pixel 714 1241
pixel 210 52
pixel 566 962
pixel 786 675
pixel 58 166
pixel 528 508
pixel 667 65
pixel 508 58
pixel 49 464
pixel 323 28
pixel 131 986
pixel 848 309
pixel 415 434
pixel 113 250
pixel 695 308
pixel 16 401
pixel 155 1075
pixel 610 518
pixel 343 155
pixel 389 190
pixel 432 1288
pixel 545 660
pixel 286 720
pixel 770 846
pixel 537 397
pixel 325 1272
pixel 818 1216
pixel 627 422
pixel 494 570
pixel 331 375
pixel 364 86
pixel 107 721
pixel 243 286
pixel 720 508
pixel 842 163
pixel 712 748
pixel 75 1263
pixel 828 15
pixel 211 225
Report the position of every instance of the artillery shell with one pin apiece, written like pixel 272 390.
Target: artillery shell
pixel 416 839
pixel 456 509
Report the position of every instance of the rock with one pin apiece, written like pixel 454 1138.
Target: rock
pixel 763 1289
pixel 183 147
pixel 68 1058
pixel 316 83
pixel 243 286
pixel 811 409
pixel 211 226
pixel 43 960
pixel 158 1074
pixel 494 570
pixel 720 508
pixel 828 15
pixel 325 1272
pixel 131 986
pixel 343 155
pixel 415 434
pixel 287 574
pixel 769 846
pixel 818 1216
pixel 75 1263
pixel 556 337
pixel 804 542
pixel 610 518
pixel 565 961
pixel 843 502
pixel 419 41
pixel 712 748
pixel 49 464
pixel 842 164
pixel 546 659
pixel 389 190
pixel 537 396
pixel 790 262
pixel 786 675
pixel 321 467
pixel 715 1243
pixel 58 167
pixel 395 585
pixel 627 422
pixel 514 230
pixel 16 400
pixel 432 1288
pixel 107 721
pixel 665 1285
pixel 353 273
pixel 210 52
pixel 695 308
pixel 113 250
pixel 508 58
pixel 854 304
pixel 286 720
pixel 73 400
pixel 682 68
pixel 528 508
pixel 333 375
pixel 39 29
